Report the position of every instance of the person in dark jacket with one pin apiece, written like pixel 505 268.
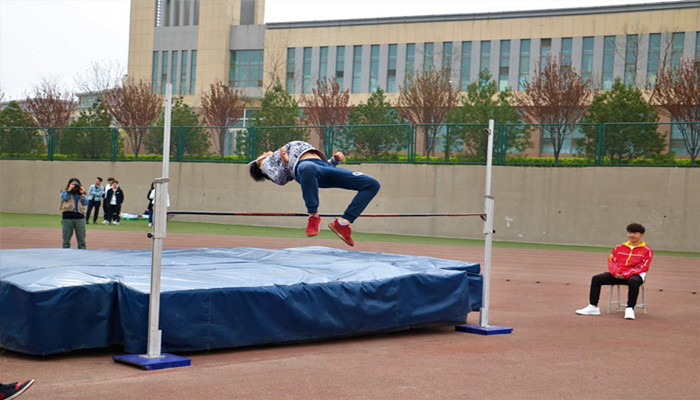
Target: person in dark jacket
pixel 114 200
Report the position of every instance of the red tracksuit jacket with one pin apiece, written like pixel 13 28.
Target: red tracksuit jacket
pixel 627 260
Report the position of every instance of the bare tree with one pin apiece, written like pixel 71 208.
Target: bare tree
pixel 677 92
pixel 275 60
pixel 222 106
pixel 427 98
pixel 134 107
pixel 49 106
pixel 327 105
pixel 631 54
pixel 556 96
pixel 2 94
pixel 100 76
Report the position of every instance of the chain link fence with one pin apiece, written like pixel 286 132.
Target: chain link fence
pixel 573 145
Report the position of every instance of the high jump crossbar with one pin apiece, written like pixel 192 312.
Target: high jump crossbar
pixel 281 214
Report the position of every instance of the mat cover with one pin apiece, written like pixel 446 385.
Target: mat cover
pixel 58 300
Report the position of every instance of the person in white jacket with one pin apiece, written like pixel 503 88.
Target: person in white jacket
pixel 307 165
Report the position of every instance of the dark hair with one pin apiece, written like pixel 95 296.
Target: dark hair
pixel 110 179
pixel 635 227
pixel 71 180
pixel 99 179
pixel 256 173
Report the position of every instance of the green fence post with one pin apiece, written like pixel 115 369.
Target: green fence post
pixel 114 145
pixel 601 145
pixel 501 133
pixel 179 154
pixel 328 140
pixel 51 143
pixel 412 143
pixel 251 143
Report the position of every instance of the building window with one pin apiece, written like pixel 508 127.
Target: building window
pixel 289 84
pixel 677 143
pixel 428 57
pixel 677 49
pixel 391 69
pixel 374 68
pixel 356 69
pixel 340 65
pixel 176 13
pixel 163 71
pixel 410 59
pixel 608 61
pixel 631 51
pixel 566 51
pixel 185 16
pixel 246 68
pixel 183 73
pixel 247 12
pixel 154 73
pixel 173 71
pixel 587 58
pixel 447 58
pixel 697 46
pixel 504 65
pixel 323 64
pixel 195 19
pixel 166 12
pixel 193 70
pixel 485 55
pixel 306 71
pixel 654 57
pixel 464 72
pixel 545 49
pixel 570 144
pixel 158 20
pixel 524 67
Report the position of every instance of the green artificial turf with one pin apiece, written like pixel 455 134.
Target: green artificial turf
pixel 174 226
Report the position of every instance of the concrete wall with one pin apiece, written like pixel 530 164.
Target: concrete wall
pixel 584 206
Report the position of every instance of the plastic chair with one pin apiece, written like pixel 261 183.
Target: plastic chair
pixel 621 306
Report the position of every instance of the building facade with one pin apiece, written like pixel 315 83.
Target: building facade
pixel 193 43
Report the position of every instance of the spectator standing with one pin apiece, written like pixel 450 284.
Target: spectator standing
pixel 95 194
pixel 73 204
pixel 108 187
pixel 114 199
pixel 151 196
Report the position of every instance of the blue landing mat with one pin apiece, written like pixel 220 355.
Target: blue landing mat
pixel 58 300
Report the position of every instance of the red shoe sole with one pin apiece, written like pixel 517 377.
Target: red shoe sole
pixel 340 235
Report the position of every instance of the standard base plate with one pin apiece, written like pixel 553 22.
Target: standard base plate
pixel 481 330
pixel 143 362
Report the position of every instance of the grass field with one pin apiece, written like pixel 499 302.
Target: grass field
pixel 54 221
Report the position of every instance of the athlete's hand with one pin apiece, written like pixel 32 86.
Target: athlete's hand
pixel 339 156
pixel 283 155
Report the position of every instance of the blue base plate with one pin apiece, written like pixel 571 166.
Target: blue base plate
pixel 143 362
pixel 480 330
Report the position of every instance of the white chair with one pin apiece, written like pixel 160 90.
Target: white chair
pixel 620 306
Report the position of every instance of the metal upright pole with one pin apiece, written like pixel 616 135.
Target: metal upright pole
pixel 159 230
pixel 488 232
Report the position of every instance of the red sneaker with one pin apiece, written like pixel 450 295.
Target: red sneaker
pixel 13 390
pixel 343 232
pixel 313 226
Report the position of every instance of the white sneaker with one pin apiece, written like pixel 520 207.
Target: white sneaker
pixel 116 222
pixel 589 310
pixel 629 313
pixel 105 222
